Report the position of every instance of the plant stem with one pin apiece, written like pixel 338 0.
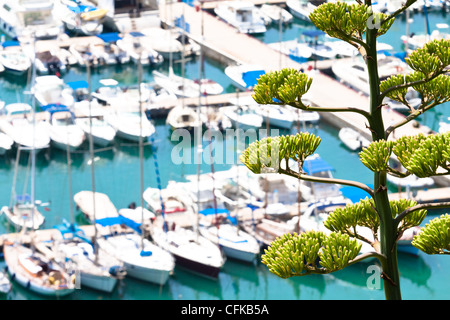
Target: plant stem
pixel 388 230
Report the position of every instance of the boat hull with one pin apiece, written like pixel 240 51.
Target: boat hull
pixel 98 282
pixel 158 277
pixel 198 268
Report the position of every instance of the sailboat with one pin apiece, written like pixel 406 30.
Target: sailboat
pixel 28 267
pixel 143 259
pixel 235 243
pixel 23 214
pixel 35 272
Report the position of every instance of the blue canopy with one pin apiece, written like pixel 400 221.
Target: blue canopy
pixel 313 33
pixel 81 8
pixel 250 77
pixel 109 37
pixel 55 107
pixel 209 211
pixel 78 84
pixel 136 34
pixel 23 198
pixel 311 166
pixel 10 43
pixel 73 229
pixel 111 221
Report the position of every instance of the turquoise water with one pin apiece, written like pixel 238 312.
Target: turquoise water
pixel 117 175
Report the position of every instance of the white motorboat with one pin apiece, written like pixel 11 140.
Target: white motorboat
pixel 178 206
pixel 352 139
pixel 6 143
pixel 99 271
pixel 314 165
pixel 165 43
pixel 277 13
pixel 182 117
pixel 277 116
pixel 108 52
pixel 354 72
pixel 244 76
pixel 131 125
pixel 182 87
pixel 300 9
pixel 13 59
pixel 98 129
pixel 295 50
pixel 35 272
pixel 127 98
pixel 243 117
pixel 50 89
pixel 213 119
pixel 411 181
pixel 29 19
pixel 48 62
pixel 191 251
pixel 415 41
pixel 235 243
pixel 23 214
pixel 65 134
pixel 81 17
pixel 18 125
pixel 209 86
pixel 142 259
pixel 243 15
pixel 139 50
pixel 320 49
pixel 104 208
pixel 5 283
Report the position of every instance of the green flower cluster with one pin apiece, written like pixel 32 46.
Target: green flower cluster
pixel 286 86
pixel 311 252
pixel 376 155
pixel 265 155
pixel 434 238
pixel 428 79
pixel 363 214
pixel 424 155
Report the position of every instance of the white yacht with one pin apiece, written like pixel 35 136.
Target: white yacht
pixel 18 125
pixel 243 15
pixel 13 59
pixel 29 19
pixel 300 9
pixel 128 125
pixel 64 132
pixel 244 76
pixel 50 89
pixel 81 17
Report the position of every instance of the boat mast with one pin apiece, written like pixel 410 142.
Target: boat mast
pixel 141 153
pixel 91 153
pixel 33 149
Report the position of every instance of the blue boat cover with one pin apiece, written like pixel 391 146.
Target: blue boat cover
pixel 10 43
pixel 109 36
pixel 81 8
pixel 55 107
pixel 78 84
pixel 209 211
pixel 23 198
pixel 250 77
pixel 313 33
pixel 311 166
pixel 111 221
pixel 136 34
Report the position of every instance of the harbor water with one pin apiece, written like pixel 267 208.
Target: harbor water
pixel 117 174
